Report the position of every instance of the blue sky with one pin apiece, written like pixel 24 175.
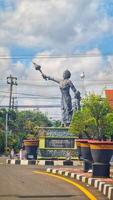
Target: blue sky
pixel 107 5
pixel 35 28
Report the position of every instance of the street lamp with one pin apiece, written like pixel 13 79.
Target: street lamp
pixel 82 75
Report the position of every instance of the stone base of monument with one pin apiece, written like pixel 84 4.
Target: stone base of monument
pixel 56 143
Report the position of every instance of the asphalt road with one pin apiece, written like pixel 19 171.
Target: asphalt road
pixel 19 182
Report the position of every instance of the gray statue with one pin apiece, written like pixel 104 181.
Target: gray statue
pixel 66 102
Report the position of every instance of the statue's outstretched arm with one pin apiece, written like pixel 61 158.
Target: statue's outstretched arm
pixel 50 78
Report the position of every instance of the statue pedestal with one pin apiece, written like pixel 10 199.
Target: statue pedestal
pixel 56 143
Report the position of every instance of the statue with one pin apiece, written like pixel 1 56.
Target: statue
pixel 66 102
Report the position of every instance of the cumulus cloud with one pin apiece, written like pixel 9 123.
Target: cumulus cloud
pixel 60 25
pixel 4 63
pixel 77 64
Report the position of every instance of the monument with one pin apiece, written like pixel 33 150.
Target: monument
pixel 58 143
pixel 65 85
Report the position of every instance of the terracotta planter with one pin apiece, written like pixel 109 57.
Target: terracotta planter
pixel 85 154
pixel 102 152
pixel 31 149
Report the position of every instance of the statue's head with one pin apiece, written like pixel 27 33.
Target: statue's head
pixel 66 74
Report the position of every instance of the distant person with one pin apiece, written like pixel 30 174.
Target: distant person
pixel 12 154
pixel 20 154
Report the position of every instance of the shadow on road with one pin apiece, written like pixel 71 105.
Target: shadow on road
pixel 37 196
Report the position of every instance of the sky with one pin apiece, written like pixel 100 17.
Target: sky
pixel 65 34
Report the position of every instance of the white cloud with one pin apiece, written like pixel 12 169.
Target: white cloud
pixel 60 24
pixel 4 63
pixel 88 64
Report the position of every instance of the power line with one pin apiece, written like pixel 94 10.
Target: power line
pixel 34 106
pixel 55 56
pixel 31 95
pixel 43 84
pixel 34 98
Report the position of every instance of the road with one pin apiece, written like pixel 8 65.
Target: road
pixel 20 182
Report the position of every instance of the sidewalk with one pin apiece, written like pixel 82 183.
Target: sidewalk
pixel 104 185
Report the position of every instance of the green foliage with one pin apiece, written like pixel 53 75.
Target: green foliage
pixel 95 120
pixel 57 123
pixel 82 122
pixel 2 141
pixel 109 124
pixel 30 136
pixel 97 106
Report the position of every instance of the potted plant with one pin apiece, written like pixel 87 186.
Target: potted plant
pixel 94 121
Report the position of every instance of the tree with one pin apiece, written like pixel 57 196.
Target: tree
pixel 20 124
pixel 109 125
pixel 95 118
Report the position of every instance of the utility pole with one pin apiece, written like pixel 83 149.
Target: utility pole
pixel 14 103
pixel 6 131
pixel 11 81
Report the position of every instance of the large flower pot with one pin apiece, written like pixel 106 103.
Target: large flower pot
pixel 86 154
pixel 102 152
pixel 31 149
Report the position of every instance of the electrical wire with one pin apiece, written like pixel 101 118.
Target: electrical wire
pixel 58 56
pixel 34 98
pixel 32 95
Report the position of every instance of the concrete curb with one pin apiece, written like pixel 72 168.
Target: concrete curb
pixel 21 162
pixel 101 186
pixel 41 162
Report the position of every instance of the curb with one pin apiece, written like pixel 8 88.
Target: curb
pixel 101 186
pixel 41 162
